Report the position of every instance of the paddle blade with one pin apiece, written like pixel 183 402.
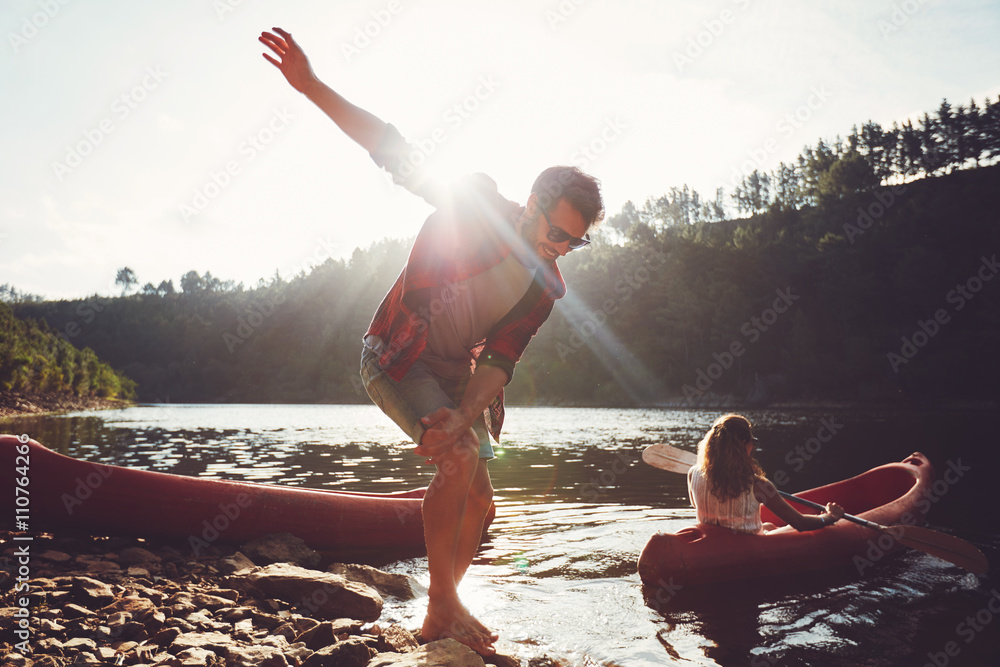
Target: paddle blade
pixel 669 458
pixel 946 547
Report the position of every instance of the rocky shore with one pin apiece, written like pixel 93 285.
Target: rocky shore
pixel 272 603
pixel 14 403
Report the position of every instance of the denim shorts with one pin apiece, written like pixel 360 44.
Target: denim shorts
pixel 418 394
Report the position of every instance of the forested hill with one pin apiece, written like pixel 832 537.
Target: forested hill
pixel 881 294
pixel 34 360
pixel 864 271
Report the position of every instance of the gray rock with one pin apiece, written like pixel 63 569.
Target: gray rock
pixel 136 556
pixel 400 586
pixel 50 627
pixel 88 591
pixel 55 556
pixel 203 621
pixel 281 548
pixel 49 645
pixel 400 639
pixel 80 644
pixel 165 636
pixel 442 653
pixel 321 595
pixel 184 602
pixel 210 641
pixel 297 653
pixel 71 611
pixel 255 656
pixel 234 614
pixel 48 661
pixel 103 567
pixel 198 657
pixel 328 632
pixel 352 652
pixel 106 654
pixel 235 564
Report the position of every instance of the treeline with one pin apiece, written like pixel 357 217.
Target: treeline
pixel 862 282
pixel 878 296
pixel 33 359
pixel 295 340
pixel 952 138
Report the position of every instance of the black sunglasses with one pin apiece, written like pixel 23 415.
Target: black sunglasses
pixel 558 235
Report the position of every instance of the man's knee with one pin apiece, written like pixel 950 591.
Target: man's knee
pixel 481 495
pixel 462 459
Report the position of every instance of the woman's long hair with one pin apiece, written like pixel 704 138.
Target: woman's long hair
pixel 722 457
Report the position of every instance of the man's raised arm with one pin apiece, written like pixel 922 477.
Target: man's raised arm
pixel 360 125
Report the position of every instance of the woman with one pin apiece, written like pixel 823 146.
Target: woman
pixel 727 486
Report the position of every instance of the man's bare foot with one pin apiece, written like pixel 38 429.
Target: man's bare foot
pixel 449 618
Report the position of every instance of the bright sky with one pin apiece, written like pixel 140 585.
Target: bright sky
pixel 154 135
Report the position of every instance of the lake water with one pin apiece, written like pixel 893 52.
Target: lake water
pixel 557 573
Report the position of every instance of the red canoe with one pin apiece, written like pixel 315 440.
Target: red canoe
pixel 58 493
pixel 895 493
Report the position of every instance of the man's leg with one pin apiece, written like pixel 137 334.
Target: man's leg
pixel 477 506
pixel 444 507
pixel 448 513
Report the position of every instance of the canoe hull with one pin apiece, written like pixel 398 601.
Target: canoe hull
pixel 894 493
pixel 66 494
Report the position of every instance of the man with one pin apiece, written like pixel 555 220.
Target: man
pixel 479 281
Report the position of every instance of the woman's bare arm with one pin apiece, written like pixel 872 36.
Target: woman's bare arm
pixel 766 493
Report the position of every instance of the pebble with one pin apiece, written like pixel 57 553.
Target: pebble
pixel 133 602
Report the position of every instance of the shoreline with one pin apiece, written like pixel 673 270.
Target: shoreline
pixel 140 602
pixel 18 404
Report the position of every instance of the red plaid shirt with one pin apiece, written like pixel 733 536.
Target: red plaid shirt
pixel 471 231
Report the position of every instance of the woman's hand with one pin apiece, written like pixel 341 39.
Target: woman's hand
pixel 835 510
pixel 293 62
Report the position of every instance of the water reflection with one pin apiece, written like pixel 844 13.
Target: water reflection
pixel 556 574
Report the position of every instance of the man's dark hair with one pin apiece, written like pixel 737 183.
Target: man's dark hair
pixel 583 192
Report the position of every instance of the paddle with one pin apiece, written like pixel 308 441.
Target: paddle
pixel 946 547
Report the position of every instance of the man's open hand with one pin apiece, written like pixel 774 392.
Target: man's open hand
pixel 293 62
pixel 445 430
